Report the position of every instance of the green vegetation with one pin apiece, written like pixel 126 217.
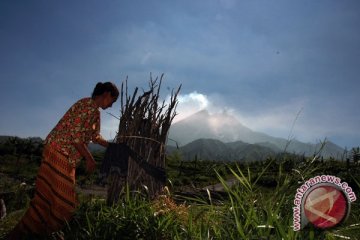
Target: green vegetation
pixel 259 206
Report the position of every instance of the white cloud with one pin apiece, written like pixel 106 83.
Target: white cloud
pixel 190 104
pixel 276 121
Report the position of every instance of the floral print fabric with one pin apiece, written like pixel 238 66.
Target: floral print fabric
pixel 80 124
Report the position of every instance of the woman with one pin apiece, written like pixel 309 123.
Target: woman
pixel 55 200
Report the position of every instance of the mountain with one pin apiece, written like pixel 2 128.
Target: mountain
pixel 206 149
pixel 212 149
pixel 226 128
pixel 250 152
pixel 223 127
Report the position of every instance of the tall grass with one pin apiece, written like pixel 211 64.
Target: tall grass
pixel 249 212
pixel 132 218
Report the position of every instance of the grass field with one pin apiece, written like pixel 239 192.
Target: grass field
pixel 259 206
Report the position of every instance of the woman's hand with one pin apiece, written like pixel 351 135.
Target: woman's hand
pixel 84 151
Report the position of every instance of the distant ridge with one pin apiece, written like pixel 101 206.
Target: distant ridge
pixel 226 128
pixel 212 149
pixel 92 146
pixel 4 138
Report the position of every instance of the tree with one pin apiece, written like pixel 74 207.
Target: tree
pixel 18 146
pixel 355 152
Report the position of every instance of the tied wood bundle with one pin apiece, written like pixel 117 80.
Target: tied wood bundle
pixel 142 136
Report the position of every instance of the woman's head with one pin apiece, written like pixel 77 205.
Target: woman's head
pixel 105 94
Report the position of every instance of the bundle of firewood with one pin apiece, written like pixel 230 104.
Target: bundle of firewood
pixel 143 129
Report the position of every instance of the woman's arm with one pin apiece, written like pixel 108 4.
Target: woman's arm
pixel 84 151
pixel 101 141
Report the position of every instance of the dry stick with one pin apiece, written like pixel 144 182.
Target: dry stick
pixel 132 123
pixel 113 115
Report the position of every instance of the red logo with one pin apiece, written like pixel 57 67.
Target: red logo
pixel 325 206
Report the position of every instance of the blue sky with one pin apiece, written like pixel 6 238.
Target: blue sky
pixel 264 61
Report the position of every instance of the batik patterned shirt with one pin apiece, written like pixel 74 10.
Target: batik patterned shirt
pixel 80 124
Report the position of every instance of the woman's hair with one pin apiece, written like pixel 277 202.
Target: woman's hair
pixel 101 88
